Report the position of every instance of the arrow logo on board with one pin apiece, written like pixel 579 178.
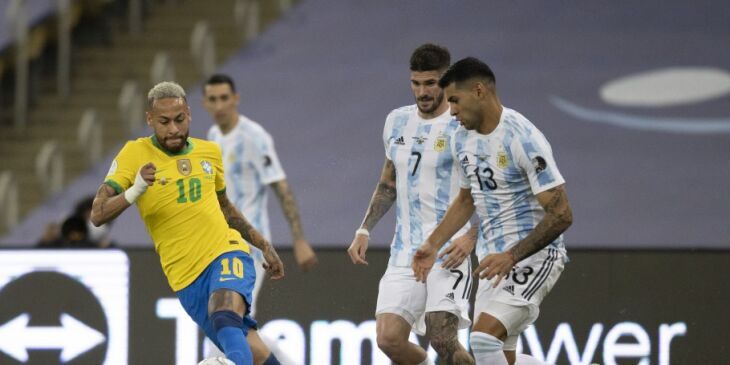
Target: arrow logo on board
pixel 72 337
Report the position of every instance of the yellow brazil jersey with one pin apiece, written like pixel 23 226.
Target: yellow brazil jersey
pixel 181 209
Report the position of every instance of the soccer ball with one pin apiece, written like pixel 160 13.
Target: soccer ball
pixel 216 361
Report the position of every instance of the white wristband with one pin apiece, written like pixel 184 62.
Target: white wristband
pixel 363 232
pixel 140 186
pixel 131 194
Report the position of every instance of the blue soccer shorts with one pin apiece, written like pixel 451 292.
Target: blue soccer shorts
pixel 232 271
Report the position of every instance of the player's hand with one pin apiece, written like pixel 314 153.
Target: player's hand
pixel 423 261
pixel 145 177
pixel 272 263
pixel 357 249
pixel 304 255
pixel 147 173
pixel 495 265
pixel 459 250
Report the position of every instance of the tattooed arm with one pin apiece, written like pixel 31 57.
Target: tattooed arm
pixel 558 217
pixel 380 203
pixel 303 253
pixel 289 206
pixel 383 197
pixel 107 205
pixel 237 221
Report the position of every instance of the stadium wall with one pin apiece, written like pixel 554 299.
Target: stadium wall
pixel 114 307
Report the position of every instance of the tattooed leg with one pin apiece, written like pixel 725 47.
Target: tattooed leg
pixel 225 314
pixel 442 330
pixel 229 300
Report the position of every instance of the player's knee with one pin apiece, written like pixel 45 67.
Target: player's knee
pixel 225 318
pixel 483 343
pixel 445 347
pixel 390 343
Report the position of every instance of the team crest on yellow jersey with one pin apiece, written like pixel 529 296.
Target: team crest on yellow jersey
pixel 207 167
pixel 502 160
pixel 440 144
pixel 184 167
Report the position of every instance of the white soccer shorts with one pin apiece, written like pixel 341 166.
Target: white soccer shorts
pixel 516 300
pixel 445 290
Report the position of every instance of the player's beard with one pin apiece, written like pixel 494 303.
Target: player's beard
pixel 434 105
pixel 178 148
pixel 472 120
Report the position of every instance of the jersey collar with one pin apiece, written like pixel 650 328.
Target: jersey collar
pixel 188 147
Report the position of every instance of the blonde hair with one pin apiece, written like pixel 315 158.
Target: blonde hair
pixel 165 90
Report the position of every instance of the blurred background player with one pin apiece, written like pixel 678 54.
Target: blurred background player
pixel 77 231
pixel 74 234
pixel 203 241
pixel 420 174
pixel 509 176
pixel 251 163
pixel 98 235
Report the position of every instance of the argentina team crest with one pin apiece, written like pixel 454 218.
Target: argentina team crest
pixel 207 167
pixel 502 160
pixel 184 167
pixel 440 144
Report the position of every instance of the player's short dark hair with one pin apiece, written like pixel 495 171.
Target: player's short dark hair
pixel 467 69
pixel 73 223
pixel 220 79
pixel 430 57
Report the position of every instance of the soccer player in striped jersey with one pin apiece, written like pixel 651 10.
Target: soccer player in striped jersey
pixel 252 164
pixel 203 241
pixel 420 175
pixel 509 176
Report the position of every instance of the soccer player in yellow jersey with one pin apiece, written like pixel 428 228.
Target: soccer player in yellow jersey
pixel 203 241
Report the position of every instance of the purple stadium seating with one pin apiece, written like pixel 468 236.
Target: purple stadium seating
pixel 323 78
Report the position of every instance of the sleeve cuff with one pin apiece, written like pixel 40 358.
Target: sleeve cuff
pixel 117 188
pixel 273 179
pixel 547 187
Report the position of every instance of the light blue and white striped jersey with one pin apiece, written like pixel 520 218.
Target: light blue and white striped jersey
pixel 505 169
pixel 250 164
pixel 427 177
